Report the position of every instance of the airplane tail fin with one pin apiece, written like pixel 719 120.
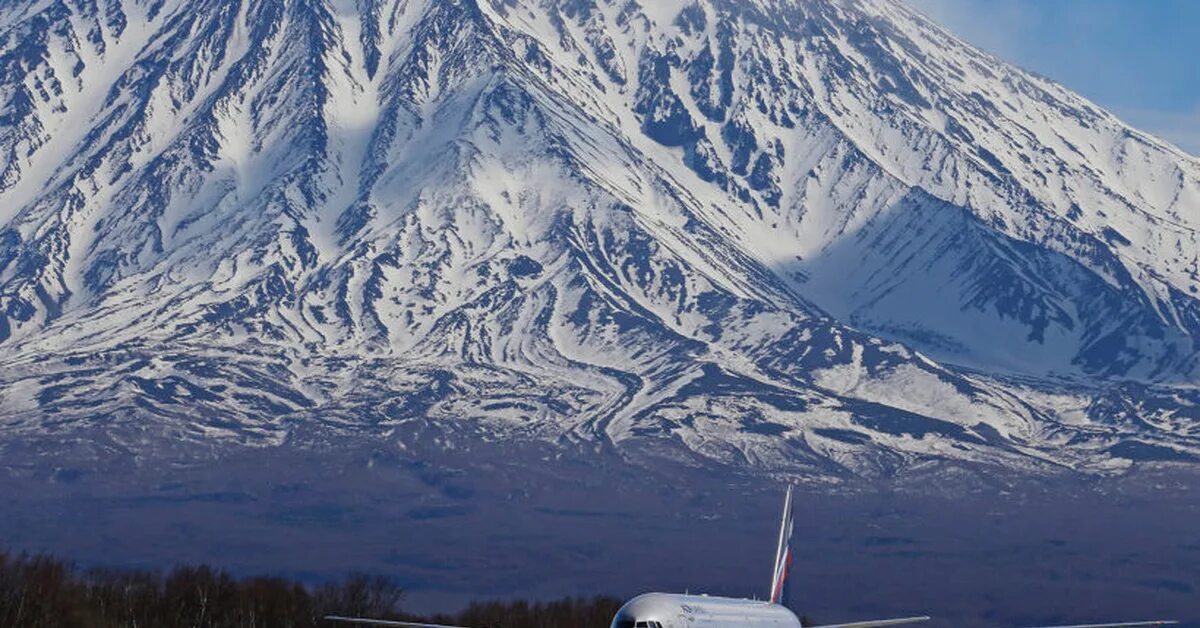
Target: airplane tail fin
pixel 783 551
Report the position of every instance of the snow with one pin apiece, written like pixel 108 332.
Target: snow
pixel 482 230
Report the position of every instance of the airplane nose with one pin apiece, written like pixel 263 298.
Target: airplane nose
pixel 624 619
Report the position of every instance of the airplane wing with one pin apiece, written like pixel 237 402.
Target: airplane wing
pixel 912 620
pixel 1128 624
pixel 384 622
pixel 876 623
pixel 879 623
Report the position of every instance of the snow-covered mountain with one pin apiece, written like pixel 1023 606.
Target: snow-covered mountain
pixel 815 236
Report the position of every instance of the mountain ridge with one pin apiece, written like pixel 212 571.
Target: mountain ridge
pixel 699 224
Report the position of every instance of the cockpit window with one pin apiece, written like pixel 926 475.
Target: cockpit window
pixel 625 623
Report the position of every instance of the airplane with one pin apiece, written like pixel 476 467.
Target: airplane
pixel 673 610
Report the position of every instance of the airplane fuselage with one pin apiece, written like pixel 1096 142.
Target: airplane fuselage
pixel 666 610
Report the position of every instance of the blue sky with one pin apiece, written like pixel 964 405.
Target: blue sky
pixel 1137 58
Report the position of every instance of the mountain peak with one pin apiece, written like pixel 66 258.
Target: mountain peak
pixel 768 231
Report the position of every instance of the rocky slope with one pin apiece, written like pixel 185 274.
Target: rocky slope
pixel 819 237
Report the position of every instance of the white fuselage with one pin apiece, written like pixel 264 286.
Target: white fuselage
pixel 665 610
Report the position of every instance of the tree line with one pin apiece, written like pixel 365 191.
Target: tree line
pixel 40 591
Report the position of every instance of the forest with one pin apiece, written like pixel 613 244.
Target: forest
pixel 40 591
